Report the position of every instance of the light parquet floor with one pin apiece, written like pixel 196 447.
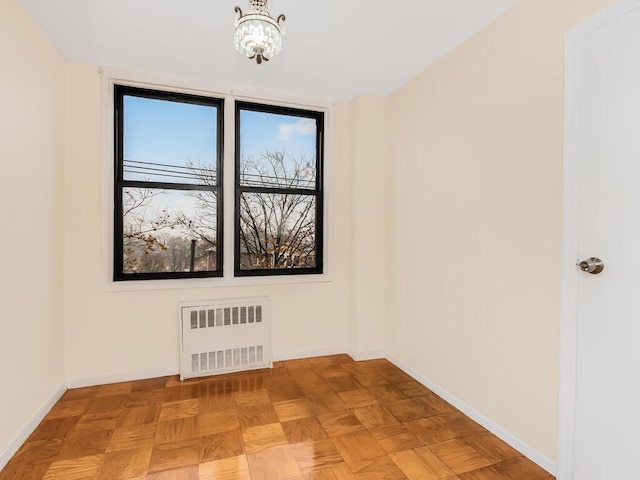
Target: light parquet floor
pixel 326 418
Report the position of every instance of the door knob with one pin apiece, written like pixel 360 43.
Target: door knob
pixel 592 265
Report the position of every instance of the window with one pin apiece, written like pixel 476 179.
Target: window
pixel 278 211
pixel 168 185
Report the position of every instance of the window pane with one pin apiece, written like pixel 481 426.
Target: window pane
pixel 169 230
pixel 277 231
pixel 168 141
pixel 277 150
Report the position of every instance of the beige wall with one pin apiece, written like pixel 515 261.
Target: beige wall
pixel 476 154
pixel 130 332
pixel 368 246
pixel 31 337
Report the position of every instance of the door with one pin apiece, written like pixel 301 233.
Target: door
pixel 604 126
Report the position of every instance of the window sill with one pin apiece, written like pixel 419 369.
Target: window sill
pixel 193 283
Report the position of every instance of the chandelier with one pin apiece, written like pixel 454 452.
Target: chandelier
pixel 258 35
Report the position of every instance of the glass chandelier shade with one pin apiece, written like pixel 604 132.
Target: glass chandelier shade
pixel 258 35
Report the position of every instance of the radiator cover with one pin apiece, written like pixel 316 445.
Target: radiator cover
pixel 223 336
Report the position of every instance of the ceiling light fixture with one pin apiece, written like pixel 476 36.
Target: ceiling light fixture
pixel 258 35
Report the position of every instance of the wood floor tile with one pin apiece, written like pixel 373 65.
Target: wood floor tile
pixel 141 415
pixel 487 473
pixel 79 393
pixel 127 438
pixel 221 445
pixel 263 437
pixel 358 446
pixel 247 399
pixel 460 456
pixel 293 410
pixel 394 375
pixel 84 443
pixel 70 408
pixel 39 451
pixel 340 383
pixel 219 422
pixel 431 430
pixel 358 398
pixel 460 424
pixel 433 404
pixel 340 423
pixel 523 469
pixel 144 398
pixel 304 430
pixel 110 403
pixel 325 418
pixel 107 420
pixel 177 430
pixel 169 456
pixel 318 455
pixel 407 410
pixel 113 389
pixel 273 464
pixel 395 438
pixel 413 389
pixel 74 469
pixel 56 428
pixel 180 409
pixel 186 392
pixel 371 379
pixel 216 402
pixel 387 394
pixel 381 468
pixel 149 384
pixel 23 471
pixel 255 415
pixel 421 464
pixel 125 464
pixel 326 403
pixel 233 468
pixel 184 473
pixel 373 416
pixel 492 447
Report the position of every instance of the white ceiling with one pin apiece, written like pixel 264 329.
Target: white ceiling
pixel 333 49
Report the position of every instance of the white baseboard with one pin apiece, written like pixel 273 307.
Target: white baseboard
pixel 498 431
pixel 280 357
pixel 121 377
pixel 371 355
pixel 36 418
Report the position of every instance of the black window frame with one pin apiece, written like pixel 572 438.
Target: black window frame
pixel 318 192
pixel 120 91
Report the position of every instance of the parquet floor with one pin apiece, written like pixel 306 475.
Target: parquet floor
pixel 326 418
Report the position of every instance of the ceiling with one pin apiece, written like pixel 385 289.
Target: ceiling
pixel 333 49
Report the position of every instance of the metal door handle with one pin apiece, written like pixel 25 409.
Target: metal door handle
pixel 593 265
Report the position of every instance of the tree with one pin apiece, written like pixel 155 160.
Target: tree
pixel 277 230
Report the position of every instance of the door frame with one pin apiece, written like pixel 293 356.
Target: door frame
pixel 570 236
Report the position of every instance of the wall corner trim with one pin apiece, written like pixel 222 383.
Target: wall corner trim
pixel 37 417
pixel 370 355
pixel 469 411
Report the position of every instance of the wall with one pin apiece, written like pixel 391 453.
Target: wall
pixel 476 162
pixel 31 337
pixel 368 246
pixel 128 333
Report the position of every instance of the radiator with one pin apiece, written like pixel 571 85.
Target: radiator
pixel 223 336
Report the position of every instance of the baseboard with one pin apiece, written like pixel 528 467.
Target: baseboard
pixel 498 431
pixel 36 418
pixel 323 352
pixel 370 355
pixel 121 377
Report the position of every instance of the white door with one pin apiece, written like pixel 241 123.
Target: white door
pixel 604 126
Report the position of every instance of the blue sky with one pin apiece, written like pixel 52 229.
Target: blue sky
pixel 173 133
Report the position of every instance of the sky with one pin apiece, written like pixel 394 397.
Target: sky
pixel 174 133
